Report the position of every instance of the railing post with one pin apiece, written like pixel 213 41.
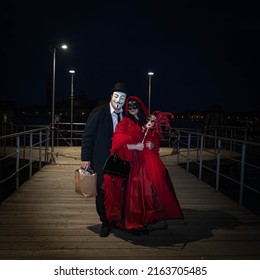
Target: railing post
pixel 47 156
pixel 57 135
pixel 188 154
pixel 218 165
pixel 76 140
pixel 17 157
pixel 169 140
pixel 242 174
pixel 198 143
pixel 201 157
pixel 30 155
pixel 178 147
pixel 40 149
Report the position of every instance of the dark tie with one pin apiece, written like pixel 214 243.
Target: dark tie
pixel 118 117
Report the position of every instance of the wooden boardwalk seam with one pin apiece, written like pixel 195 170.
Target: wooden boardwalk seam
pixel 46 219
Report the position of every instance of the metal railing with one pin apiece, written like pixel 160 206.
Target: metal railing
pixel 19 151
pixel 233 163
pixel 66 136
pixel 221 154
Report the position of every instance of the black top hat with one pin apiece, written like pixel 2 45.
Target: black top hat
pixel 119 87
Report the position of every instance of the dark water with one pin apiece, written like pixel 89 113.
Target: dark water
pixel 26 120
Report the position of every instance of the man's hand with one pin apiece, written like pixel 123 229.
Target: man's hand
pixel 85 165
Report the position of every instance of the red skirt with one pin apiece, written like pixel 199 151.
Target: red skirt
pixel 147 196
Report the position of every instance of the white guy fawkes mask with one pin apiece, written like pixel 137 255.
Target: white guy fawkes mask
pixel 118 99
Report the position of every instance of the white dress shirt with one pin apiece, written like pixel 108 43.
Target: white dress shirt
pixel 114 116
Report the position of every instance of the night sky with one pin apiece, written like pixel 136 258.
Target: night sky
pixel 202 52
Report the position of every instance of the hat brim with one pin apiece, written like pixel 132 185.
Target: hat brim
pixel 116 89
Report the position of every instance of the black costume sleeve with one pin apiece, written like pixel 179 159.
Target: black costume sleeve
pixel 89 136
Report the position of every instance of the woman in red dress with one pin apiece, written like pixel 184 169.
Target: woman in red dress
pixel 148 195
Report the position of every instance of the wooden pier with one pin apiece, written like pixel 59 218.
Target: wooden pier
pixel 45 219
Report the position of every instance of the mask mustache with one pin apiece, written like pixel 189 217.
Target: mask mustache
pixel 118 103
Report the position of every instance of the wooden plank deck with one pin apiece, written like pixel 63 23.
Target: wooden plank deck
pixel 46 219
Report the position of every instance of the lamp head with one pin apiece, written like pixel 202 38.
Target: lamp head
pixel 53 47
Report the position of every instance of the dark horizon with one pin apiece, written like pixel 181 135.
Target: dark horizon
pixel 7 105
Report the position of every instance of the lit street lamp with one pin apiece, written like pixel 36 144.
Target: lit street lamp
pixel 53 50
pixel 72 72
pixel 150 74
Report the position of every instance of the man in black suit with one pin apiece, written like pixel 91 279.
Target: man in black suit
pixel 97 141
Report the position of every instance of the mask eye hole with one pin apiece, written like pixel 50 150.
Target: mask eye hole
pixel 132 105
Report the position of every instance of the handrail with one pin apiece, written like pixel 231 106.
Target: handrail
pixel 20 150
pixel 213 153
pixel 219 137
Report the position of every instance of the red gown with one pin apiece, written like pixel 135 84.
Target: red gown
pixel 149 195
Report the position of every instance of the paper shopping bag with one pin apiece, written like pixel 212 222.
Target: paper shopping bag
pixel 86 183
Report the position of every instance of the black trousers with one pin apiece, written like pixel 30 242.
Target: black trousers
pixel 100 200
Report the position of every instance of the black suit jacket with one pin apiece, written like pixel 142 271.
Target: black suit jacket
pixel 97 139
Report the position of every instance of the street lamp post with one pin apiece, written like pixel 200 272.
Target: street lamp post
pixel 53 49
pixel 150 74
pixel 72 72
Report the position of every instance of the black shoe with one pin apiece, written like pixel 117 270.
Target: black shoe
pixel 105 230
pixel 158 226
pixel 140 231
pixel 145 231
pixel 136 232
